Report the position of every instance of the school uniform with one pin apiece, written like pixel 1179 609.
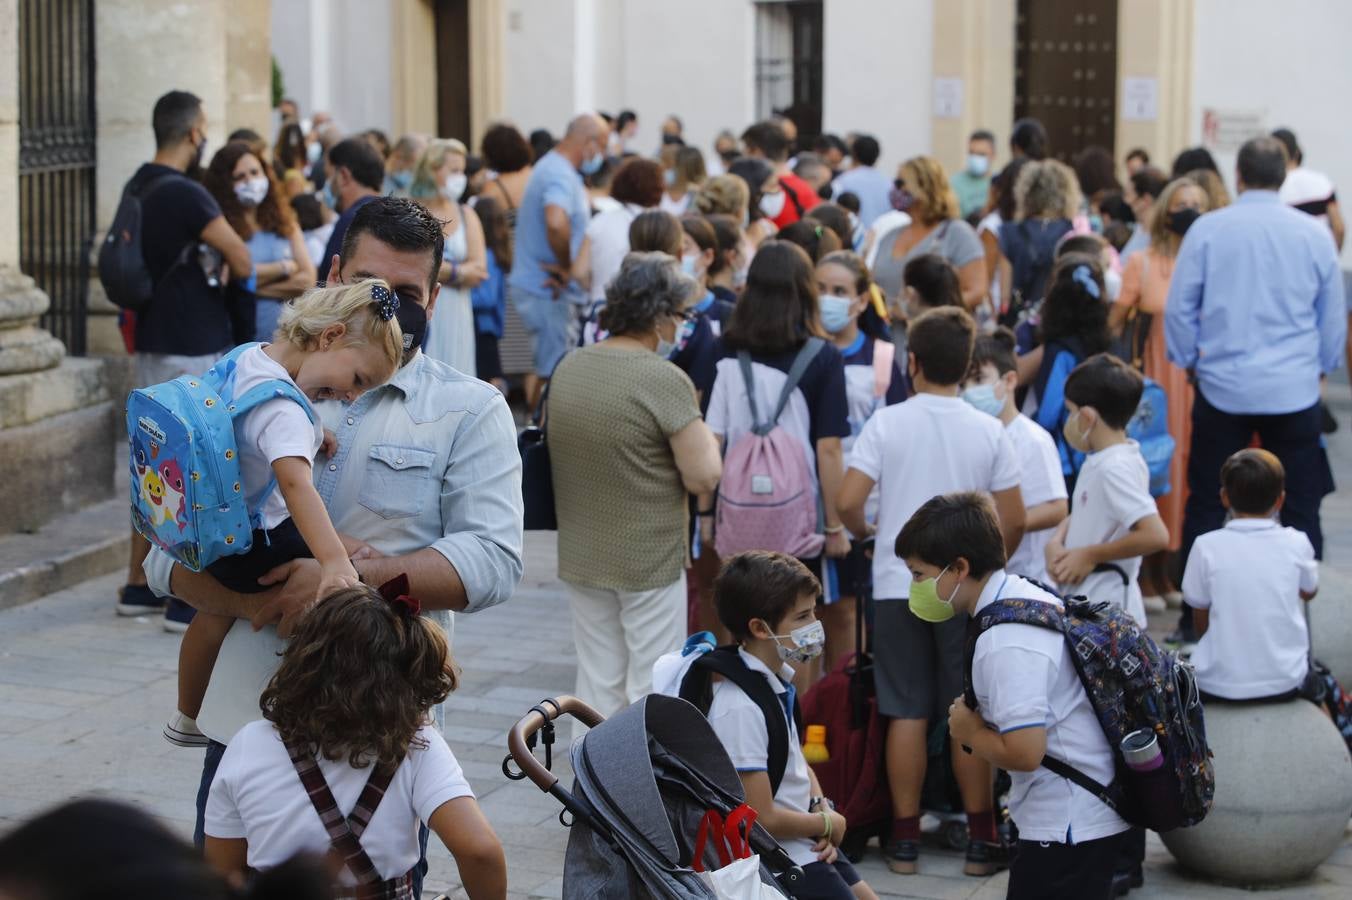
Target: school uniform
pixel 913 451
pixel 1112 494
pixel 1040 481
pixel 1250 574
pixel 740 726
pixel 1024 677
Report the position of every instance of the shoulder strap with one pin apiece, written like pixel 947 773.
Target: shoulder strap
pixel 1104 793
pixel 804 359
pixel 506 196
pixel 749 379
pixel 149 186
pixel 884 353
pixel 725 661
pixel 343 831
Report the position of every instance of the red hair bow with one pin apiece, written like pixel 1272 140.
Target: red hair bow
pixel 395 592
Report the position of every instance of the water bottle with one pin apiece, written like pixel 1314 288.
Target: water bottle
pixel 1142 752
pixel 814 751
pixel 1152 793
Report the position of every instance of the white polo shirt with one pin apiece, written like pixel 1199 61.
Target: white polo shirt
pixel 916 450
pixel 740 726
pixel 1023 677
pixel 1040 481
pixel 1111 495
pixel 1249 574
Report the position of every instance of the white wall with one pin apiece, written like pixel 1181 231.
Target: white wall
pixel 877 73
pixel 538 64
pixel 1292 64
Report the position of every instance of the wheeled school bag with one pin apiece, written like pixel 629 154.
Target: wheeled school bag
pixel 1149 427
pixel 1131 685
pixel 187 494
pixel 767 499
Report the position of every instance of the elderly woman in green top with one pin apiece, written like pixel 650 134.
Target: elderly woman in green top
pixel 627 446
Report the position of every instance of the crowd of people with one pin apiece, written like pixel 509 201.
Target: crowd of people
pixel 775 382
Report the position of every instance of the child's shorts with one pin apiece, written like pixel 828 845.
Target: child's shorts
pixel 270 549
pixel 827 881
pixel 917 667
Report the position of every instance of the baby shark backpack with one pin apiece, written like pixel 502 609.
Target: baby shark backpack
pixel 187 495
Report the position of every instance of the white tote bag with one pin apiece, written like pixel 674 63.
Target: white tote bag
pixel 739 878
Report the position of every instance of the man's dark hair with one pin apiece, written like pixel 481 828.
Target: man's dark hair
pixel 769 138
pixel 1109 385
pixel 1288 139
pixel 361 159
pixel 849 200
pixel 1138 153
pixel 248 135
pixel 826 142
pixel 1149 182
pixel 942 340
pixel 175 116
pixel 1114 206
pixel 1030 138
pixel 505 149
pixel 1262 163
pixel 1253 480
pixel 952 526
pixel 541 142
pixel 1090 245
pixel 934 279
pixel 762 585
pixel 625 117
pixel 401 223
pixel 1192 159
pixel 982 134
pixel 865 150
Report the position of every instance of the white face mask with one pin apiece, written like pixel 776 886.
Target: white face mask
pixel 252 191
pixel 808 643
pixel 772 204
pixel 1113 282
pixel 454 186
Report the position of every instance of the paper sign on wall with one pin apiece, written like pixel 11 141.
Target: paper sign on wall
pixel 1227 130
pixel 947 98
pixel 1140 99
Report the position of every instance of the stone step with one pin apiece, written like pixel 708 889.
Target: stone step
pixel 67 550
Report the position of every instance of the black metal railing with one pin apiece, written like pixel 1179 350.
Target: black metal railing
pixel 57 134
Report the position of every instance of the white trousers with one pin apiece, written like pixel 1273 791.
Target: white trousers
pixel 619 635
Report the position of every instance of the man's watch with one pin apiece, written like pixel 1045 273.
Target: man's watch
pixel 823 803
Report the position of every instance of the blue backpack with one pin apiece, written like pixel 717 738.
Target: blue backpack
pixel 187 494
pixel 1149 427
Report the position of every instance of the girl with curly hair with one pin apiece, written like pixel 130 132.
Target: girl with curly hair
pixel 345 749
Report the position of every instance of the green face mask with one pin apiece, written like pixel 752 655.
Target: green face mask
pixel 925 601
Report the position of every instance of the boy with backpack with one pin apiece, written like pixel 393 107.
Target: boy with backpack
pixel 1246 583
pixel 1029 702
pixel 768 603
pixel 933 443
pixel 1113 519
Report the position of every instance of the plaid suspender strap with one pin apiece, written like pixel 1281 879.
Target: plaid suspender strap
pixel 343 831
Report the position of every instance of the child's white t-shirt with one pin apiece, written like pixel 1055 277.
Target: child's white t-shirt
pixel 1023 677
pixel 1111 495
pixel 740 726
pixel 1250 574
pixel 1040 481
pixel 258 796
pixel 269 432
pixel 915 450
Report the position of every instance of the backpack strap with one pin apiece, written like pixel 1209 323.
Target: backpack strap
pixel 697 689
pixel 805 356
pixel 749 379
pixel 343 831
pixel 1105 793
pixel 884 354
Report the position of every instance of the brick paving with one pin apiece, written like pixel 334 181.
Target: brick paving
pixel 83 695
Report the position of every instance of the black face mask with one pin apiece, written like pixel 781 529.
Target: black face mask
pixel 194 170
pixel 413 322
pixel 1181 220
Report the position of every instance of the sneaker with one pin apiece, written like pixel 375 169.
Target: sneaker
pixel 138 600
pixel 1154 603
pixel 182 731
pixel 1181 641
pixel 177 615
pixel 1124 882
pixel 1174 599
pixel 903 856
pixel 985 859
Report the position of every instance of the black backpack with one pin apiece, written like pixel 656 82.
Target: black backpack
pixel 697 689
pixel 122 266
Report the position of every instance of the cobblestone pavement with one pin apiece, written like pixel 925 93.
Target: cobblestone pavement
pixel 83 695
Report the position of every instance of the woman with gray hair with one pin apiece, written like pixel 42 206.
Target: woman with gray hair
pixel 627 447
pixel 1047 199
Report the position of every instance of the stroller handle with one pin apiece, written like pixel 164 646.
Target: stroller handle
pixel 532 722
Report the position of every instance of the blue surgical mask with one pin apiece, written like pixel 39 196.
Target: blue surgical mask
pixel 690 264
pixel 669 176
pixel 313 152
pixel 977 164
pixel 984 398
pixel 398 181
pixel 592 164
pixel 330 198
pixel 835 312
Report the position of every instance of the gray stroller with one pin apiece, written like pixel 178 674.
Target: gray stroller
pixel 644 780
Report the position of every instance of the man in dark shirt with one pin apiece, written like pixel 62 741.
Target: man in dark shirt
pixel 185 327
pixel 354 174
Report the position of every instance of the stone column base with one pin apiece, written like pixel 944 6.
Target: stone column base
pixel 24 347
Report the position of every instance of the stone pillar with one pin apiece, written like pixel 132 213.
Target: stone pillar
pixel 974 43
pixel 248 66
pixel 487 25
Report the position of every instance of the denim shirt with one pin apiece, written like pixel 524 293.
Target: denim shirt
pixel 428 459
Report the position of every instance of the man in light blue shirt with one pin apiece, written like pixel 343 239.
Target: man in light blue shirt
pixel 1256 311
pixel 865 181
pixel 550 224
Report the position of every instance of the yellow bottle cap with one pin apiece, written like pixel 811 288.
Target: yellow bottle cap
pixel 816 734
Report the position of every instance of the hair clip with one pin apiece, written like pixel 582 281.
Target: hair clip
pixel 386 301
pixel 1085 279
pixel 395 592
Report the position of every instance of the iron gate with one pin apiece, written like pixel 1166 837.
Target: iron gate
pixel 57 131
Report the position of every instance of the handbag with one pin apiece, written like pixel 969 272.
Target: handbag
pixel 739 875
pixel 537 479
